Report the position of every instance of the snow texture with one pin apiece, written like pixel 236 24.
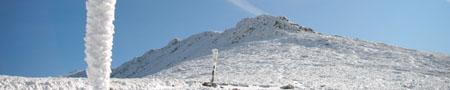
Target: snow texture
pixel 269 52
pixel 99 41
pixel 59 83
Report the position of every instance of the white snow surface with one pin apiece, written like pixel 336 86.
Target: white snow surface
pixel 99 41
pixel 268 52
pixel 62 83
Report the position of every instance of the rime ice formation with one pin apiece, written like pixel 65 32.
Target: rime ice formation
pixel 99 41
pixel 215 54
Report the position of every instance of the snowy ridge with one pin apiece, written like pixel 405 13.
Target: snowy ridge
pixel 269 51
pixel 201 44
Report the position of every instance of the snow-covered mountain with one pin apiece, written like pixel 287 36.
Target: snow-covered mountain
pixel 248 30
pixel 271 51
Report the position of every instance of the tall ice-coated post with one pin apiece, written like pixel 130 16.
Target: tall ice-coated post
pixel 215 54
pixel 99 42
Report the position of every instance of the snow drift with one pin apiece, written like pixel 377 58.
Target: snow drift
pixel 99 41
pixel 269 51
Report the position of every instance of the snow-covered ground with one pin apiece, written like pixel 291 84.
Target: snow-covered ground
pixel 269 52
pixel 62 83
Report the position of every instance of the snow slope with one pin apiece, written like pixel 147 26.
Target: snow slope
pixel 269 51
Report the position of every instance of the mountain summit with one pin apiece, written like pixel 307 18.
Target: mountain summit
pixel 273 51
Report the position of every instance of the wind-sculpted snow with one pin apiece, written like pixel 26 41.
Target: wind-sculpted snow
pixel 269 51
pixel 59 83
pixel 99 41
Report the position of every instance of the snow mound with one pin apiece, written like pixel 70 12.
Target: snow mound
pixel 270 51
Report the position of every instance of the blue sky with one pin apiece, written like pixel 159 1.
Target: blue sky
pixel 42 38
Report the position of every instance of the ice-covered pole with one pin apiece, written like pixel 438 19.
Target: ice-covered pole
pixel 215 54
pixel 99 41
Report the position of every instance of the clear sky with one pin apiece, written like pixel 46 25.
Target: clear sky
pixel 42 38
